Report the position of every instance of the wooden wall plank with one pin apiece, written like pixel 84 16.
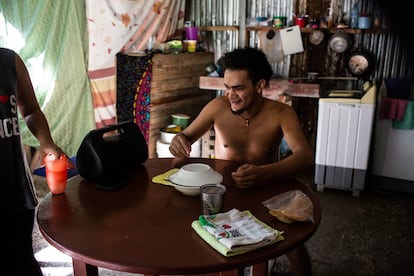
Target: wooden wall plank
pixel 174 89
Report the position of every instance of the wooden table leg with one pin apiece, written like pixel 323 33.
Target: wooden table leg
pixel 260 269
pixel 83 269
pixel 234 272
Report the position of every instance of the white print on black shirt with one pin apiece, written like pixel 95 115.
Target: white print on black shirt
pixel 10 126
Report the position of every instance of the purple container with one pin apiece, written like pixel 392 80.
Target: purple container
pixel 191 33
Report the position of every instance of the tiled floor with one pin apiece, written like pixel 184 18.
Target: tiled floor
pixel 372 234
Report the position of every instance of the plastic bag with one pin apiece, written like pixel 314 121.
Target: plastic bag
pixel 290 207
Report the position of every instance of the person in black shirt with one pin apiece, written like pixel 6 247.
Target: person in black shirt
pixel 18 193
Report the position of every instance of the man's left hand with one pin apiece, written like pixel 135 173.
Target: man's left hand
pixel 246 175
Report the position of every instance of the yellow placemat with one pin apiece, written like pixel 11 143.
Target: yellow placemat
pixel 162 178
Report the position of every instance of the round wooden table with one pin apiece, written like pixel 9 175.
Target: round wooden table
pixel 145 227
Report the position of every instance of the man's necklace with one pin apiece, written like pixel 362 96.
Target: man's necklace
pixel 251 117
pixel 239 113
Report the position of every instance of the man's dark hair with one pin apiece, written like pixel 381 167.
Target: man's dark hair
pixel 251 59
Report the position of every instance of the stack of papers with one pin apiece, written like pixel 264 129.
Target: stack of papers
pixel 235 232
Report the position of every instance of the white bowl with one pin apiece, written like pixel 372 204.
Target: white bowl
pixel 166 137
pixel 187 190
pixel 189 178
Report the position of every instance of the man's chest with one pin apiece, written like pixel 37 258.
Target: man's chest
pixel 245 143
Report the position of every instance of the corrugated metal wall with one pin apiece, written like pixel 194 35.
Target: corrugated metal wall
pixel 228 13
pixel 269 9
pixel 391 57
pixel 217 13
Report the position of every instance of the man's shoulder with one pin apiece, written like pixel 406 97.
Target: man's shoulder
pixel 219 102
pixel 277 106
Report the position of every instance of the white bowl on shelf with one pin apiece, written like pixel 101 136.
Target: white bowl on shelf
pixel 165 136
pixel 190 177
pixel 163 149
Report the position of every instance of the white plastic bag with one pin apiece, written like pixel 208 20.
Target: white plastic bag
pixel 290 207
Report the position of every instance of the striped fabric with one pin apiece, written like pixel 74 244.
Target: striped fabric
pixel 123 27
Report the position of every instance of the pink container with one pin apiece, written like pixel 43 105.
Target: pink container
pixel 191 33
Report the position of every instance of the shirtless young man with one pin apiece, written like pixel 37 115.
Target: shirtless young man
pixel 249 128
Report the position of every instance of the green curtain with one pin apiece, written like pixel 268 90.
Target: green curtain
pixel 54 34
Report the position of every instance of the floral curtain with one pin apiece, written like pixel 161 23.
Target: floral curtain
pixel 123 26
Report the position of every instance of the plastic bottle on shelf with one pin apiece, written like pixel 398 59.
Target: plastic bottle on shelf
pixel 377 19
pixel 354 16
pixel 329 18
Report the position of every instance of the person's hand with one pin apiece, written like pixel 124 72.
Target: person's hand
pixel 57 152
pixel 178 162
pixel 180 146
pixel 246 175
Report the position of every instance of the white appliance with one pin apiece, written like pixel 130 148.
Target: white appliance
pixel 343 141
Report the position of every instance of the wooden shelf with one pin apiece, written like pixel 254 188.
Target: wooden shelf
pixel 309 30
pixel 219 28
pixel 277 87
pixel 174 88
pixel 303 30
pixel 244 31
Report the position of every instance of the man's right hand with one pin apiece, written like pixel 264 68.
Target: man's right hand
pixel 180 146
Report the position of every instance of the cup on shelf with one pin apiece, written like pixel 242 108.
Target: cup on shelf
pixel 364 22
pixel 191 33
pixel 180 120
pixel 190 45
pixel 301 21
pixel 279 21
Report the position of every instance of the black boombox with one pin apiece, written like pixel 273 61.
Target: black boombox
pixel 108 159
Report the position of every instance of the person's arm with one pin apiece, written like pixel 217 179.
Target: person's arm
pixel 180 145
pixel 301 157
pixel 30 110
